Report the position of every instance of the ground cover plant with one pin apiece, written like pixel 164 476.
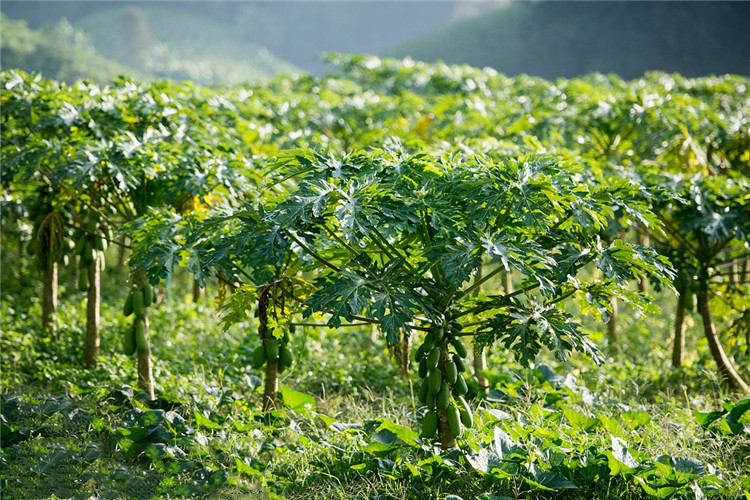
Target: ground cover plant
pixel 402 280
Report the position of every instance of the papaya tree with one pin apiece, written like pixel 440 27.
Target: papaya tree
pixel 396 237
pixel 706 224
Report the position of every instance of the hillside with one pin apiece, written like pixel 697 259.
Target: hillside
pixel 564 39
pixel 148 41
pixel 60 52
pixel 236 38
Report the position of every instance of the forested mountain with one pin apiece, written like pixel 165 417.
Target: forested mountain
pixel 564 39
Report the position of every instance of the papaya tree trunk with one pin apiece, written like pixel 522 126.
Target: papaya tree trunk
pixel 271 382
pixel 447 439
pixel 49 297
pixel 122 254
pixel 613 329
pixel 734 272
pixel 643 240
pixel 199 293
pixel 727 371
pixel 404 353
pixel 678 348
pixel 507 282
pixel 480 364
pixel 145 365
pixel 93 304
pixel 271 385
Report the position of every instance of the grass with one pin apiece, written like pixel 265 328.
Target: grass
pixel 91 433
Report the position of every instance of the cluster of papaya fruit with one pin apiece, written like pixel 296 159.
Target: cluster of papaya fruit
pixel 274 349
pixel 443 385
pixel 137 303
pixel 89 240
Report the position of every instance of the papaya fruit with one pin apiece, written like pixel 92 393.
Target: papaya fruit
pixel 138 307
pixel 422 372
pixel 460 365
pixel 444 397
pixel 286 358
pixel 88 252
pixel 438 334
pixel 429 424
pixel 454 420
pixel 435 380
pixel 434 358
pixel 466 417
pixel 140 335
pixel 98 243
pixel 127 309
pixel 424 391
pixel 148 294
pixel 272 349
pixel 429 339
pixel 459 347
pixel 419 352
pixel 128 341
pixel 456 327
pixel 451 372
pixel 80 243
pixel 460 387
pixel 83 280
pixel 259 357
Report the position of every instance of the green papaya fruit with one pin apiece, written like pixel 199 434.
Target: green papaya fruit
pixel 420 352
pixel 138 307
pixel 460 387
pixel 434 358
pixel 140 335
pixel 429 424
pixel 456 327
pixel 424 391
pixel 466 417
pixel 148 294
pixel 422 372
pixel 80 243
pixel 438 333
pixel 127 309
pixel 454 420
pixel 444 397
pixel 88 252
pixel 83 280
pixel 91 225
pixel 98 243
pixel 259 357
pixel 436 379
pixel 460 365
pixel 429 340
pixel 459 347
pixel 272 349
pixel 286 358
pixel 128 341
pixel 451 372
